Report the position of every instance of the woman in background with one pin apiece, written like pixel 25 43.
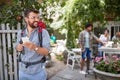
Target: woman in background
pixel 104 38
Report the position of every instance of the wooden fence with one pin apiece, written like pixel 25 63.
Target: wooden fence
pixel 8 54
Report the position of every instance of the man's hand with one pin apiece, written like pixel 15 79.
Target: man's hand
pixel 82 49
pixel 32 46
pixel 104 43
pixel 19 47
pixel 29 45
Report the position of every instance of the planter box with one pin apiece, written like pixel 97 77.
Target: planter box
pixel 106 76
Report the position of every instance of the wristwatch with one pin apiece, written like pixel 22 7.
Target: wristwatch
pixel 36 49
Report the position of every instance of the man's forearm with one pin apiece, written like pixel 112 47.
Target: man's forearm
pixel 42 51
pixel 100 41
pixel 39 50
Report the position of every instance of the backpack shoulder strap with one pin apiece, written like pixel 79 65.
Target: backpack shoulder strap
pixel 40 42
pixel 40 36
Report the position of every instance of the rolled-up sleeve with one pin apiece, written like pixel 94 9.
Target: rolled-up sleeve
pixel 80 38
pixel 46 39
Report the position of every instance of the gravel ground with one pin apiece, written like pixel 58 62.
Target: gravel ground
pixel 55 68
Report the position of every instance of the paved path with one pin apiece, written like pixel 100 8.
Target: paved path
pixel 68 74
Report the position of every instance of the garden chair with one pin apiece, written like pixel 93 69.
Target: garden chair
pixel 74 58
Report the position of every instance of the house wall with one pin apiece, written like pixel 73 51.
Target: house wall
pixel 113 26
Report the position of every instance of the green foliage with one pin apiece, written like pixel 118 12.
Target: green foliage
pixel 70 15
pixel 74 14
pixel 115 41
pixel 112 7
pixel 60 57
pixel 13 13
pixel 78 12
pixel 70 39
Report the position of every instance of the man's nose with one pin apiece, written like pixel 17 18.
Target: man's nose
pixel 36 19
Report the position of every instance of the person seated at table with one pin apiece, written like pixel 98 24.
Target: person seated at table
pixel 104 38
pixel 85 41
pixel 116 36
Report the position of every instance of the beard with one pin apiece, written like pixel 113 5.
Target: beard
pixel 33 25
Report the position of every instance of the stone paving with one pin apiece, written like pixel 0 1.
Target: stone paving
pixel 68 74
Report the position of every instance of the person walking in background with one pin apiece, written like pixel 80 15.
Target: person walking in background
pixel 104 38
pixel 33 43
pixel 85 41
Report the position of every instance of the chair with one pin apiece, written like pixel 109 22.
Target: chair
pixel 74 58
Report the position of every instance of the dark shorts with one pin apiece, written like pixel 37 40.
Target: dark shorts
pixel 86 54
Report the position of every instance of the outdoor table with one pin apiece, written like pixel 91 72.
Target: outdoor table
pixel 76 50
pixel 109 50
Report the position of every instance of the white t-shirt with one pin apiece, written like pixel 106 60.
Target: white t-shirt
pixel 104 38
pixel 86 39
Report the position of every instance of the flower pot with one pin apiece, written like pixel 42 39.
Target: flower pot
pixel 105 75
pixel 114 45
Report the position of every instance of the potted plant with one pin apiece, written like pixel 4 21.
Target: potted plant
pixel 115 41
pixel 107 68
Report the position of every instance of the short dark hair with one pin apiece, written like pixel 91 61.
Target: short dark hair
pixel 88 25
pixel 106 30
pixel 27 11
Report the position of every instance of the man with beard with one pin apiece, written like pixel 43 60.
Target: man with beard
pixel 31 66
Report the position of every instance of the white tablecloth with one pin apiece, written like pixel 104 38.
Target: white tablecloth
pixel 76 50
pixel 109 50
